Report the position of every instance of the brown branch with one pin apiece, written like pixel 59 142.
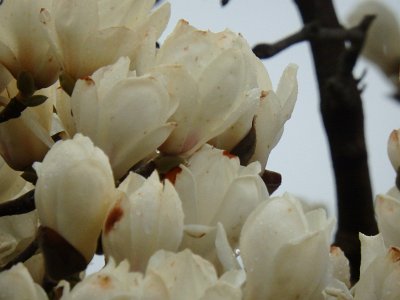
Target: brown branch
pixel 309 32
pixel 343 118
pixel 18 206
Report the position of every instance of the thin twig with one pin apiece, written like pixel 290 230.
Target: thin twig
pixel 312 31
pixel 21 205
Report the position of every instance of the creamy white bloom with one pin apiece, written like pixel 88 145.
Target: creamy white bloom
pixel 36 267
pixel 274 110
pixel 17 284
pixel 189 276
pixel 115 282
pixel 16 232
pixel 214 187
pixel 23 45
pixel 393 149
pixel 285 250
pixel 215 79
pixel 11 183
pixel 147 217
pixel 387 210
pixel 125 115
pixel 382 46
pixel 90 34
pixel 26 139
pixel 74 191
pixel 379 272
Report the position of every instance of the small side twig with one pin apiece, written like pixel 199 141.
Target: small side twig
pixel 18 206
pixel 313 31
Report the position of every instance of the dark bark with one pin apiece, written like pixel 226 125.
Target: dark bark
pixel 342 114
pixel 21 205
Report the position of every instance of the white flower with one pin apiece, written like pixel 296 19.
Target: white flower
pixel 74 191
pixel 214 187
pixel 148 217
pixel 115 282
pixel 11 183
pixel 285 251
pixel 393 149
pixel 26 139
pixel 382 46
pixel 274 110
pixel 379 272
pixel 16 232
pixel 126 116
pixel 17 284
pixel 387 210
pixel 189 276
pixel 215 79
pixel 23 46
pixel 90 34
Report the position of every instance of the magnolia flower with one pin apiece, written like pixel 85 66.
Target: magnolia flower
pixel 285 251
pixel 36 267
pixel 214 76
pixel 274 110
pixel 214 187
pixel 189 276
pixel 26 139
pixel 148 217
pixel 23 46
pixel 387 210
pixel 11 183
pixel 126 116
pixel 17 284
pixel 90 34
pixel 16 232
pixel 115 282
pixel 379 271
pixel 382 46
pixel 74 191
pixel 393 149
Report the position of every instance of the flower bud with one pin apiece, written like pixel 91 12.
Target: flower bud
pixel 148 217
pixel 213 75
pixel 387 210
pixel 379 272
pixel 115 282
pixel 214 187
pixel 382 46
pixel 274 110
pixel 24 47
pixel 26 139
pixel 90 34
pixel 393 149
pixel 285 251
pixel 124 115
pixel 74 191
pixel 189 276
pixel 17 284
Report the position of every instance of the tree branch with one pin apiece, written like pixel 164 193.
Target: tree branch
pixel 21 205
pixel 313 31
pixel 343 118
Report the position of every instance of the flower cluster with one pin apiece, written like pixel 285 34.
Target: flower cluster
pixel 154 157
